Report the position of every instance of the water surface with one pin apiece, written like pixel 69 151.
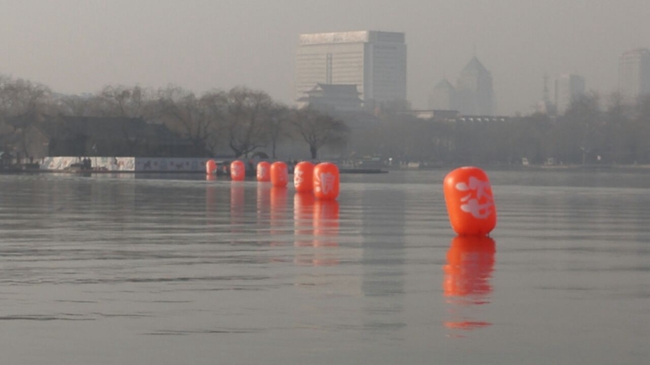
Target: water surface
pixel 129 269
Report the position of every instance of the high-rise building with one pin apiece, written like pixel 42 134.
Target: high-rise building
pixel 568 87
pixel 443 96
pixel 474 90
pixel 634 74
pixel 373 61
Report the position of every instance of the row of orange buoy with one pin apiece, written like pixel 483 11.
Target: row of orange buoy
pixel 467 190
pixel 322 179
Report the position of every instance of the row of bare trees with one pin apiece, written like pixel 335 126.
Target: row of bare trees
pixel 242 119
pixel 594 130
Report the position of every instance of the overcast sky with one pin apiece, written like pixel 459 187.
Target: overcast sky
pixel 77 46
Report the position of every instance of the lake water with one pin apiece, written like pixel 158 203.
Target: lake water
pixel 126 269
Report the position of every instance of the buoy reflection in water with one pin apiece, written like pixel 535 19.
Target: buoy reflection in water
pixel 303 217
pixel 470 264
pixel 278 213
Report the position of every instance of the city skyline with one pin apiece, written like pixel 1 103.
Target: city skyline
pixel 472 95
pixel 76 46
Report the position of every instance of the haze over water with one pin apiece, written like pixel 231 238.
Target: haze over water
pixel 132 269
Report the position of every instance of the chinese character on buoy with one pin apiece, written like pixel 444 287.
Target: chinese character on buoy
pixel 263 171
pixel 279 174
pixel 303 177
pixel 326 181
pixel 237 171
pixel 211 167
pixel 470 203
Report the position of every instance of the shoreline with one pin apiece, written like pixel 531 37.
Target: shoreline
pixel 99 171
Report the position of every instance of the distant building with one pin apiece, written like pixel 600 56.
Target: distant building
pixel 443 96
pixel 634 74
pixel 373 61
pixel 332 97
pixel 568 87
pixel 546 106
pixel 474 92
pixel 436 114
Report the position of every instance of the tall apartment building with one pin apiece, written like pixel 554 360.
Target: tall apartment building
pixel 567 88
pixel 634 74
pixel 373 61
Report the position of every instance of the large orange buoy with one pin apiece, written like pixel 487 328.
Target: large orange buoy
pixel 263 171
pixel 326 181
pixel 470 203
pixel 211 167
pixel 279 174
pixel 303 177
pixel 237 171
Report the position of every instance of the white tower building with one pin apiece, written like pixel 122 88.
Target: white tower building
pixel 373 61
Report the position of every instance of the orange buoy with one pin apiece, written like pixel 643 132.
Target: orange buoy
pixel 470 203
pixel 303 177
pixel 279 174
pixel 326 181
pixel 263 171
pixel 211 167
pixel 237 171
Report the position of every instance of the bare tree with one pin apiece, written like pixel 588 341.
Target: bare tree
pixel 277 125
pixel 127 102
pixel 22 104
pixel 81 105
pixel 249 113
pixel 214 106
pixel 197 119
pixel 318 129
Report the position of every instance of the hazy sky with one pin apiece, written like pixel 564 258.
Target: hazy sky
pixel 77 46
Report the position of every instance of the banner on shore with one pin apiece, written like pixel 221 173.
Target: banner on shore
pixel 128 164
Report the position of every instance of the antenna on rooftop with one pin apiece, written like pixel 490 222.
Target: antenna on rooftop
pixel 545 95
